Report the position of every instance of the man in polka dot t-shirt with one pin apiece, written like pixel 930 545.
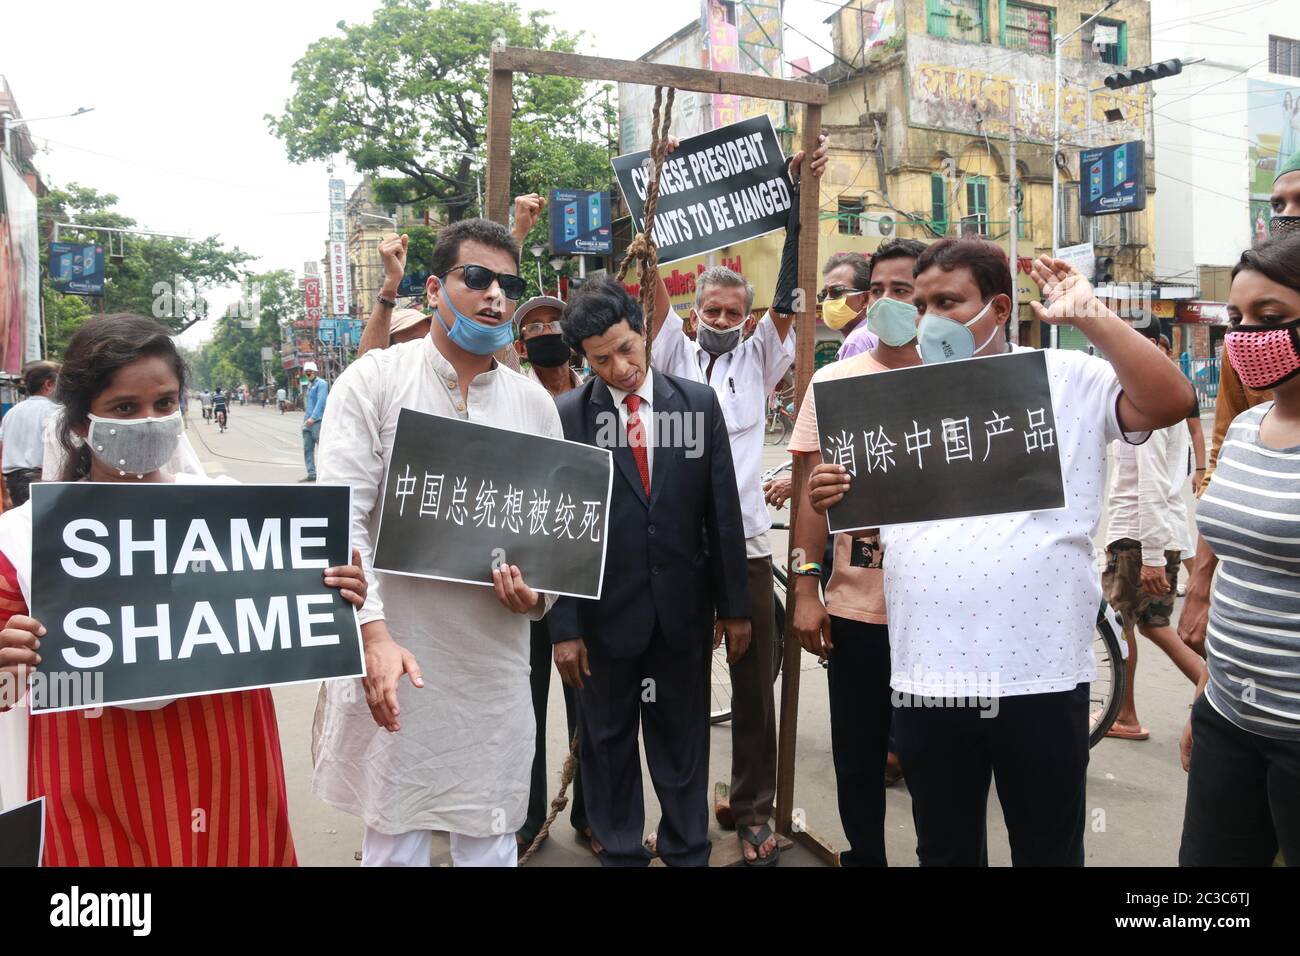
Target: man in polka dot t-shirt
pixel 991 618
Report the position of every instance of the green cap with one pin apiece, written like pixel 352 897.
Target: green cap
pixel 1292 165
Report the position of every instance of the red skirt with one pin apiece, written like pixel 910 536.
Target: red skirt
pixel 199 782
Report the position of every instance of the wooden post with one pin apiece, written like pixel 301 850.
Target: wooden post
pixel 805 334
pixel 500 109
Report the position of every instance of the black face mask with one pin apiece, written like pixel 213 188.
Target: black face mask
pixel 1283 225
pixel 547 351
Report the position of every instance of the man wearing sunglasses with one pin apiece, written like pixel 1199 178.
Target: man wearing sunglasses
pixel 450 750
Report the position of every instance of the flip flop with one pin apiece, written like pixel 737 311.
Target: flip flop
pixel 756 840
pixel 1140 734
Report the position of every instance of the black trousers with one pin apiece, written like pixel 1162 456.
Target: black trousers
pixel 1034 745
pixel 666 692
pixel 1243 795
pixel 753 708
pixel 857 678
pixel 539 792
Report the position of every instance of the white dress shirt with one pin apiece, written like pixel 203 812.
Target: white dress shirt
pixel 1146 493
pixel 21 432
pixel 646 411
pixel 742 380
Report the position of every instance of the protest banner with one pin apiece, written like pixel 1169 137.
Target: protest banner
pixel 715 189
pixel 948 440
pixel 150 592
pixel 462 499
pixel 22 834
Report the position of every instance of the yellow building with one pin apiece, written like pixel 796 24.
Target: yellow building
pixel 925 95
pixel 368 224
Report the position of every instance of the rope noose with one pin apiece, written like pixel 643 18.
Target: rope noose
pixel 642 248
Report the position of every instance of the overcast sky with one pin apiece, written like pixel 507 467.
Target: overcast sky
pixel 179 90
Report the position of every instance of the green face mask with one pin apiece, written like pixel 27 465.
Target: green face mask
pixel 892 321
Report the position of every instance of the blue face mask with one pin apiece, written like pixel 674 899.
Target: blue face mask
pixel 473 336
pixel 941 339
pixel 892 321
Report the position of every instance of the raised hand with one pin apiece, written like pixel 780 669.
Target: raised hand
pixel 1070 297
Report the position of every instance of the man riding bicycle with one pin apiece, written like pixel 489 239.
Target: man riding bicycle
pixel 219 409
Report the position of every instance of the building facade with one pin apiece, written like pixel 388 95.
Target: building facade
pixel 1223 125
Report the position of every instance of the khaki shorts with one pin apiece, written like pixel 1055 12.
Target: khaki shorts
pixel 1121 583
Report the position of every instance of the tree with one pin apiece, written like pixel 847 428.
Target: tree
pixel 407 93
pixel 157 275
pixel 233 356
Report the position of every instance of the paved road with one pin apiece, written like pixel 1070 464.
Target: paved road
pixel 1135 790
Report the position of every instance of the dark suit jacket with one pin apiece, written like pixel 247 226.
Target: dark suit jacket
pixel 680 556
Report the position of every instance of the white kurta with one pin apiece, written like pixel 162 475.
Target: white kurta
pixel 462 759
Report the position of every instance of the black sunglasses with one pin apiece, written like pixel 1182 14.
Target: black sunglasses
pixel 837 292
pixel 479 278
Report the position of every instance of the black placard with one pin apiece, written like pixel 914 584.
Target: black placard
pixel 237 584
pixel 462 498
pixel 949 440
pixel 22 834
pixel 715 189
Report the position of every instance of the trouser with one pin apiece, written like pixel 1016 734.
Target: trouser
pixel 753 711
pixel 310 437
pixel 19 482
pixel 1034 745
pixel 415 848
pixel 857 679
pixel 1243 795
pixel 539 795
pixel 666 691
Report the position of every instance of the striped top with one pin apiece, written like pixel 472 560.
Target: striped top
pixel 199 782
pixel 1250 515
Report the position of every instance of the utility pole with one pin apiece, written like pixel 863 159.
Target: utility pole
pixel 1013 204
pixel 1057 43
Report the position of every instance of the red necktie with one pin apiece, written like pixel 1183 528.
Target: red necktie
pixel 636 439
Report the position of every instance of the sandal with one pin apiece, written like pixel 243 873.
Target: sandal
pixel 1140 734
pixel 756 840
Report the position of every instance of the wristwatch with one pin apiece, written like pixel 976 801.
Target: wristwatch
pixel 391 303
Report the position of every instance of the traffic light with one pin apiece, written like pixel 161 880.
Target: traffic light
pixel 1143 74
pixel 1103 271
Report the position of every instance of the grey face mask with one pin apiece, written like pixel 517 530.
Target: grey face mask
pixel 134 446
pixel 716 341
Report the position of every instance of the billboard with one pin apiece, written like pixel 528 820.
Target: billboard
pixel 340 293
pixel 1112 179
pixel 580 223
pixel 76 268
pixel 1273 131
pixel 20 272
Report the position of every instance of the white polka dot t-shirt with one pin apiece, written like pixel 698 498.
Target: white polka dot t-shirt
pixel 1007 604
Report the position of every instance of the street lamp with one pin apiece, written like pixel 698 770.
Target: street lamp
pixel 537 252
pixel 37 119
pixel 557 263
pixel 1057 43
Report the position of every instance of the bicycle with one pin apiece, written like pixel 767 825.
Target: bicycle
pixel 780 421
pixel 1106 693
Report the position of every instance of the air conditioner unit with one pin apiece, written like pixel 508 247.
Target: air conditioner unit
pixel 882 226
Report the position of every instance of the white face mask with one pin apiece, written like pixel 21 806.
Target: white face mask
pixel 136 446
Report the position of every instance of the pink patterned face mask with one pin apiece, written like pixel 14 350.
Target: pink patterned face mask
pixel 1264 356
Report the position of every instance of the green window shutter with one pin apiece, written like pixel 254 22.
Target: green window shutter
pixel 939 203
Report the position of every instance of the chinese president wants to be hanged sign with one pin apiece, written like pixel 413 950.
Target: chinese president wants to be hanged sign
pixel 151 592
pixel 950 440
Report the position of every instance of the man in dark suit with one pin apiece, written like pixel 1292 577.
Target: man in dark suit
pixel 675 555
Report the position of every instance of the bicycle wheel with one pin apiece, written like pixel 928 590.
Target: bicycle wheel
pixel 1106 692
pixel 720 671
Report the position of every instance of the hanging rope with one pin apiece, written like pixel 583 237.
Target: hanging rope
pixel 642 248
pixel 559 803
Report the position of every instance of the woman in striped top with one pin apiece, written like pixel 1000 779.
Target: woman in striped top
pixel 1242 744
pixel 191 782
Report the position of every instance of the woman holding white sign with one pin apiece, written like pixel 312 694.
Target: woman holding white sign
pixel 191 782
